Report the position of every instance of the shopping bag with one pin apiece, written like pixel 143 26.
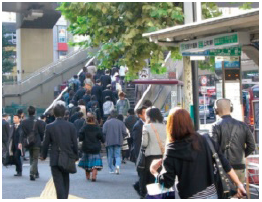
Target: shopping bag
pixel 158 191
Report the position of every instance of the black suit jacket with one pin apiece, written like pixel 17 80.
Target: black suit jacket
pixel 27 126
pixel 5 131
pixel 59 133
pixel 97 91
pixel 110 94
pixel 105 80
pixel 136 136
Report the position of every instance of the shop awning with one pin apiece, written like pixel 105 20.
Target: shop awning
pixel 245 22
pixel 158 81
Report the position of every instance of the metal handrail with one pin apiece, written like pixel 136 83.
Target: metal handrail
pixel 61 94
pixel 47 67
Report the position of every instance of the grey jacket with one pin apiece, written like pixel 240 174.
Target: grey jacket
pixel 114 131
pixel 149 139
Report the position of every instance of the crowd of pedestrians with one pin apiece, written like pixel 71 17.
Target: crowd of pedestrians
pixel 95 112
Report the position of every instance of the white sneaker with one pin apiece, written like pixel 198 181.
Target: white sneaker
pixel 117 170
pixel 111 172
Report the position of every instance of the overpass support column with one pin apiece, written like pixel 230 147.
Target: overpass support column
pixel 34 50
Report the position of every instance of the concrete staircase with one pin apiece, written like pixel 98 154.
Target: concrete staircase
pixel 130 94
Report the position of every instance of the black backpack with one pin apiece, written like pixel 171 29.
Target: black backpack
pixel 30 140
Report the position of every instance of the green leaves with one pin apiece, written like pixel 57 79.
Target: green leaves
pixel 117 27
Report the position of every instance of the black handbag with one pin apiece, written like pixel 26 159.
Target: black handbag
pixel 224 186
pixel 30 140
pixel 66 161
pixel 141 160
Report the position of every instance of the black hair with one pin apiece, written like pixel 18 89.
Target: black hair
pixel 5 115
pixel 140 110
pixel 147 103
pixel 113 113
pixel 155 115
pixel 20 111
pixel 94 104
pixel 107 71
pixel 93 98
pixel 18 115
pixel 67 113
pixel 42 116
pixel 80 114
pixel 98 81
pixel 131 112
pixel 108 98
pixel 120 117
pixel 81 102
pixel 59 110
pixel 75 76
pixel 31 110
pixel 78 109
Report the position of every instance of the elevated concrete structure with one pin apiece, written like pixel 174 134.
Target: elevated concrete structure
pixel 38 88
pixel 34 23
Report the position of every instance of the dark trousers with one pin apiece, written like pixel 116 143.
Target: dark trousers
pixel 34 155
pixel 61 181
pixel 17 160
pixel 149 178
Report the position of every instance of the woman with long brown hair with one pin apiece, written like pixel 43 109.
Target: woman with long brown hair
pixel 91 135
pixel 189 157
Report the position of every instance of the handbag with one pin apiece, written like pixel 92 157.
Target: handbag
pixel 224 186
pixel 141 160
pixel 66 162
pixel 158 191
pixel 30 140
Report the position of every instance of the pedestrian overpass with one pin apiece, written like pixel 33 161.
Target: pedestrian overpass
pixel 38 88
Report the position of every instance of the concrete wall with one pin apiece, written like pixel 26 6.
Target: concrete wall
pixel 43 94
pixel 35 49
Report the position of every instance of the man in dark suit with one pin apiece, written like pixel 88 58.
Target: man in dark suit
pixel 105 79
pixel 130 121
pixel 34 150
pixel 78 123
pixel 136 136
pixel 108 92
pixel 16 137
pixel 97 91
pixel 5 134
pixel 79 94
pixel 60 134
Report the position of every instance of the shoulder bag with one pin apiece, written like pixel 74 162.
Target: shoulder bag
pixel 30 140
pixel 66 162
pixel 224 186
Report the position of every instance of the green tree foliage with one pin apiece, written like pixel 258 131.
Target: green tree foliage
pixel 210 10
pixel 7 61
pixel 117 27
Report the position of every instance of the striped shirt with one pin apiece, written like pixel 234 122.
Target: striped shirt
pixel 209 191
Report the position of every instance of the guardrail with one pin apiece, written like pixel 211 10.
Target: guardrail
pixel 61 94
pixel 46 73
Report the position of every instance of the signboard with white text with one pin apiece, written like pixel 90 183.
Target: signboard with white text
pixel 215 42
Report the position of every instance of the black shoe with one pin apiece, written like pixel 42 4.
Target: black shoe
pixel 32 178
pixel 25 159
pixel 136 187
pixel 18 174
pixel 37 175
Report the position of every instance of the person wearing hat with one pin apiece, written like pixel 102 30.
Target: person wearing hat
pixel 122 105
pixel 108 92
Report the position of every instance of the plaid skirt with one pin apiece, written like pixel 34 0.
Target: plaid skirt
pixel 90 161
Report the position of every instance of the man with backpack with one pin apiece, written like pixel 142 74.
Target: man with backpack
pixel 33 136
